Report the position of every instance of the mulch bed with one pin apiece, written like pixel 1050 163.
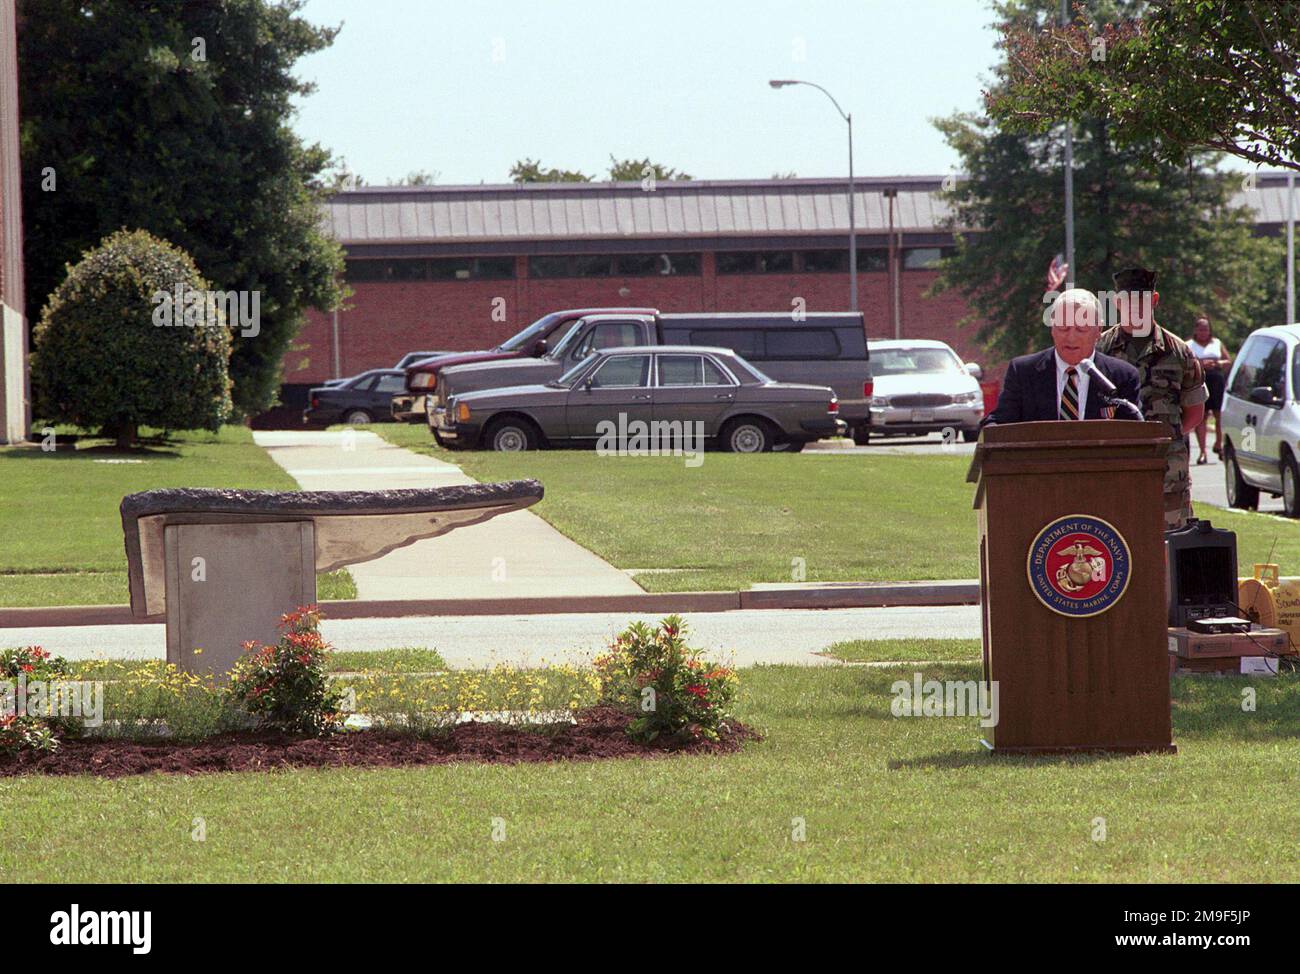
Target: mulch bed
pixel 601 732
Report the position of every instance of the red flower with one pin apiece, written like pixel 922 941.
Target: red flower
pixel 697 690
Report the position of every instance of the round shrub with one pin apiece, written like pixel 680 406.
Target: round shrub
pixel 102 360
pixel 675 692
pixel 286 687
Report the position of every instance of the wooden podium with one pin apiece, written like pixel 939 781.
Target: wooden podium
pixel 1072 584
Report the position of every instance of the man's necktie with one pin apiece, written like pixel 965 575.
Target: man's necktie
pixel 1070 395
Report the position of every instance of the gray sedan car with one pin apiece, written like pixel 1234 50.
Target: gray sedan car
pixel 621 397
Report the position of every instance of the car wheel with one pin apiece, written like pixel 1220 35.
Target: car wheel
pixel 747 436
pixel 861 435
pixel 358 417
pixel 1290 486
pixel 1241 495
pixel 511 436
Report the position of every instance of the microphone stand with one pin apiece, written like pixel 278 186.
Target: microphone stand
pixel 1121 403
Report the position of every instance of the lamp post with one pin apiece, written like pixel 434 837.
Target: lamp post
pixel 1069 177
pixel 853 230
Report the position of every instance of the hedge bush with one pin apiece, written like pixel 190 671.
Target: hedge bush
pixel 101 362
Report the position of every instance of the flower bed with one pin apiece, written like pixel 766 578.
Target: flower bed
pixel 282 708
pixel 599 732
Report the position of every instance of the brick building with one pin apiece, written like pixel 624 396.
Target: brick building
pixel 459 267
pixel 14 406
pixel 465 266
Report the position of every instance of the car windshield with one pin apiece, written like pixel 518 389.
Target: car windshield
pixel 908 361
pixel 567 380
pixel 525 338
pixel 560 347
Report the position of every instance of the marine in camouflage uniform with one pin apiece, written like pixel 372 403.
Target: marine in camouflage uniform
pixel 1171 379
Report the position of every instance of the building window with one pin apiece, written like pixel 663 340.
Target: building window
pixel 755 262
pixel 825 261
pixel 924 258
pixel 548 266
pixel 656 265
pixel 592 265
pixel 431 269
pixel 613 265
pixel 873 260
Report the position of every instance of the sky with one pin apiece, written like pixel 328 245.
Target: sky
pixel 464 88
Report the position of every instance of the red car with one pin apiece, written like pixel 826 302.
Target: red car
pixel 422 377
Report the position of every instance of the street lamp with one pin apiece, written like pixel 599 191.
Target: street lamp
pixel 853 230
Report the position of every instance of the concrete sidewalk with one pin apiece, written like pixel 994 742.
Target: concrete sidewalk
pixel 513 556
pixel 752 635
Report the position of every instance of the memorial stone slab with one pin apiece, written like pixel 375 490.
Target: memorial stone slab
pixel 222 566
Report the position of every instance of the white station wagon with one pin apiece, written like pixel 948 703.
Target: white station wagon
pixel 1261 420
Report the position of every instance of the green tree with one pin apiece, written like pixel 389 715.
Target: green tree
pixel 1171 77
pixel 416 177
pixel 113 350
pixel 175 117
pixel 531 171
pixel 1175 218
pixel 620 170
pixel 635 170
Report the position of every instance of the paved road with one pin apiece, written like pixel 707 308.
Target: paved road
pixel 754 635
pixel 516 555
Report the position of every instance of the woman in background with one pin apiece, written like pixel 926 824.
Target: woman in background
pixel 1215 360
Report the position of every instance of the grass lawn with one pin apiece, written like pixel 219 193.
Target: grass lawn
pixel 59 510
pixel 883 798
pixel 905 650
pixel 736 520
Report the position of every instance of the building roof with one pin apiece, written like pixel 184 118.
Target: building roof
pixel 590 211
pixel 469 215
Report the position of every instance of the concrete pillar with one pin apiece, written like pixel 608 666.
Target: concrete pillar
pixel 228 583
pixel 14 415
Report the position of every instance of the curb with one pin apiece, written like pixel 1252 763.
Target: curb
pixel 840 596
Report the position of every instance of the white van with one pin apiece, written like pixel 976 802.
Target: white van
pixel 1261 420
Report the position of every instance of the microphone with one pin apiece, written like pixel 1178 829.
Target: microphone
pixel 1109 395
pixel 1107 387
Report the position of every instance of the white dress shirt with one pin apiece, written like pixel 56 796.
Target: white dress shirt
pixel 1081 383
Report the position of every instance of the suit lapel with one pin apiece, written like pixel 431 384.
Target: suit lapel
pixel 1049 405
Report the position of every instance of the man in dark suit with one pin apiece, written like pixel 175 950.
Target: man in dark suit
pixel 1058 382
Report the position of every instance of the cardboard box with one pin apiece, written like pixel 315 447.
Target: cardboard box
pixel 1200 645
pixel 1259 665
pixel 1208 664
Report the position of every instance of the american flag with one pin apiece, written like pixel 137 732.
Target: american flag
pixel 1056 272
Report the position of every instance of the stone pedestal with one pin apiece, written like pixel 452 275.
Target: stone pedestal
pixel 222 566
pixel 228 583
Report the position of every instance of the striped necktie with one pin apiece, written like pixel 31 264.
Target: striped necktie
pixel 1070 395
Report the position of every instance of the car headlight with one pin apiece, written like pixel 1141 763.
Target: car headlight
pixel 968 398
pixel 878 401
pixel 424 380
